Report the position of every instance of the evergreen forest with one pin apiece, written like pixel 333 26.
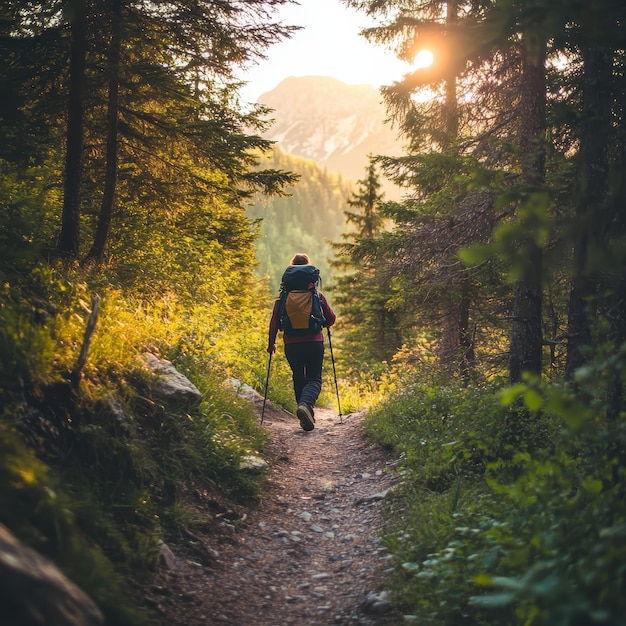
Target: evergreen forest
pixel 481 317
pixel 307 218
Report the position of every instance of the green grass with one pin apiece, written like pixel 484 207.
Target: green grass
pixel 512 507
pixel 94 478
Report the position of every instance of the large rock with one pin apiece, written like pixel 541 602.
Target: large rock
pixel 245 391
pixel 34 592
pixel 171 386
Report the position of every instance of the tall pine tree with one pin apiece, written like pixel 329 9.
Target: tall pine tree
pixel 369 323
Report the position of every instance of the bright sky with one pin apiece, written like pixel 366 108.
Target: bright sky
pixel 328 45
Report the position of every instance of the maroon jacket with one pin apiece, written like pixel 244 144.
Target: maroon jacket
pixel 329 314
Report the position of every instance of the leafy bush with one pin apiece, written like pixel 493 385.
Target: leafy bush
pixel 441 545
pixel 513 508
pixel 442 432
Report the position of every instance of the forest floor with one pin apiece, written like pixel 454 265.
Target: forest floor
pixel 308 553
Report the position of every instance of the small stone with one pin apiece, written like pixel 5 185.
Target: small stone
pixel 377 603
pixel 166 556
pixel 253 464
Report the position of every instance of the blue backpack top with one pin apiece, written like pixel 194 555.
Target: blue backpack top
pixel 300 308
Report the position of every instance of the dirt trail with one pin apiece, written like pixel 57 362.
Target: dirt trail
pixel 308 553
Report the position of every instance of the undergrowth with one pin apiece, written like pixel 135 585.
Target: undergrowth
pixel 95 475
pixel 512 509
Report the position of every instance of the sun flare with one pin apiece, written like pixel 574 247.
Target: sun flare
pixel 423 59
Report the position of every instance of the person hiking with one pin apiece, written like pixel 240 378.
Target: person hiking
pixel 302 332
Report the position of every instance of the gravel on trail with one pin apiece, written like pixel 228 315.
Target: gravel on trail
pixel 308 553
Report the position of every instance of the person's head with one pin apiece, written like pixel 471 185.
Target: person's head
pixel 300 259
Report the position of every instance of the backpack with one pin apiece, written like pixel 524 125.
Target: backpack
pixel 300 307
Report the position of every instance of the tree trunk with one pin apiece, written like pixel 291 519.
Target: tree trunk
pixel 590 210
pixel 450 328
pixel 456 348
pixel 466 340
pixel 451 108
pixel 449 343
pixel 110 181
pixel 617 315
pixel 526 335
pixel 69 238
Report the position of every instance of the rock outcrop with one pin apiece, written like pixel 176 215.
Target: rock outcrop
pixel 336 125
pixel 171 386
pixel 34 592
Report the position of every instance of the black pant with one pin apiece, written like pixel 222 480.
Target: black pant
pixel 305 359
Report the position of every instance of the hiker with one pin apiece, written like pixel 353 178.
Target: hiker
pixel 303 337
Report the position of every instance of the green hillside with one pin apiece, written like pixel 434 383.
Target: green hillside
pixel 305 221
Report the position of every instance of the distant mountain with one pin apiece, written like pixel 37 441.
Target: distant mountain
pixel 334 124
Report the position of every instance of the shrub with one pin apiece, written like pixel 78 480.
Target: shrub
pixel 513 504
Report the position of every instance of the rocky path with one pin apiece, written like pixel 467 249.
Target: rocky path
pixel 309 552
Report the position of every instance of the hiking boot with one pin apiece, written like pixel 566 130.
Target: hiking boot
pixel 305 415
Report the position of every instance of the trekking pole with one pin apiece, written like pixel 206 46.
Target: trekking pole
pixel 332 358
pixel 267 382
